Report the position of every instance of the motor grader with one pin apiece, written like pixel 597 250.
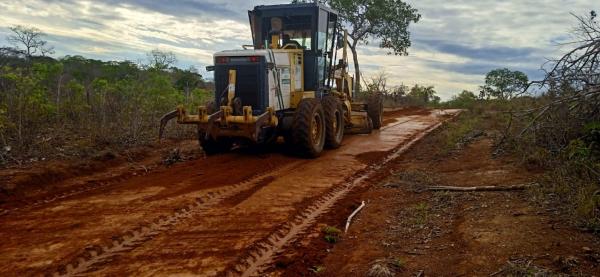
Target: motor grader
pixel 286 86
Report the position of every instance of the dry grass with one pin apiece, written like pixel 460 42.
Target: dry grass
pixel 522 268
pixel 380 269
pixel 386 267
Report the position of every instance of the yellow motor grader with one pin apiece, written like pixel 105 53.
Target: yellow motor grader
pixel 287 85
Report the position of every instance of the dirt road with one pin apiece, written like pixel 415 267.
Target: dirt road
pixel 228 214
pixel 406 230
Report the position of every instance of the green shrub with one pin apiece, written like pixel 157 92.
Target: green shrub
pixel 332 234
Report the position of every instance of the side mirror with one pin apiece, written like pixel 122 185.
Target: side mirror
pixel 270 66
pixel 210 68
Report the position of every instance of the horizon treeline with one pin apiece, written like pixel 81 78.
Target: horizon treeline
pixel 59 106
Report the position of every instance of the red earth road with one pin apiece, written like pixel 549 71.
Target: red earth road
pixel 223 215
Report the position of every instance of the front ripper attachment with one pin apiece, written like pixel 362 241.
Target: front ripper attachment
pixel 223 123
pixel 164 120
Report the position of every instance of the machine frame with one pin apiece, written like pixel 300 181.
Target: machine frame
pixel 281 78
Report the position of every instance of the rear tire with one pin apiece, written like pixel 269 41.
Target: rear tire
pixel 375 110
pixel 334 121
pixel 308 128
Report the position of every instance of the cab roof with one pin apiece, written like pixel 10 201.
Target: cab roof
pixel 294 6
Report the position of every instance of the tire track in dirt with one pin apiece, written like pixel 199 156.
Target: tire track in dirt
pixel 91 257
pixel 396 124
pixel 89 186
pixel 262 253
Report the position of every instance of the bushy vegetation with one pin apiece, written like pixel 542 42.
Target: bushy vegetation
pixel 74 106
pixel 559 130
pixel 555 130
pixel 332 234
pixel 400 96
pixel 503 83
pixel 564 147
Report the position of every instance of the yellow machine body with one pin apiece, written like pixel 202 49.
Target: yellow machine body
pixel 268 84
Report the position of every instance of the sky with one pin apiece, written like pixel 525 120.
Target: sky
pixel 454 45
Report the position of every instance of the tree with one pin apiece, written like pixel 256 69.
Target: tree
pixel 465 95
pixel 464 100
pixel 29 41
pixel 66 106
pixel 573 83
pixel 398 92
pixel 161 60
pixel 503 83
pixel 384 21
pixel 423 95
pixel 187 80
pixel 378 83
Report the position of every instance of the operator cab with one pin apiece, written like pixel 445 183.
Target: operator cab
pixel 310 27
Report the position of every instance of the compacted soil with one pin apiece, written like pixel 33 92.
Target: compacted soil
pixel 172 210
pixel 406 230
pixel 231 214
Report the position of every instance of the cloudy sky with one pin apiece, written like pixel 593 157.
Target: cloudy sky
pixel 454 45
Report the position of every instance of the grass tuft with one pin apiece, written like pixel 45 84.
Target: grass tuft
pixel 421 213
pixel 332 234
pixel 317 269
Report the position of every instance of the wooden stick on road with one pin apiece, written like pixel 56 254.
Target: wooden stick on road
pixel 482 188
pixel 352 215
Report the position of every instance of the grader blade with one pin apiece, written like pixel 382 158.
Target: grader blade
pixel 360 124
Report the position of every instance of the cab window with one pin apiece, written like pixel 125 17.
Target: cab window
pixel 294 30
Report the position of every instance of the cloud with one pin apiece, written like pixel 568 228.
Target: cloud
pixel 492 53
pixel 180 8
pixel 454 44
pixel 77 27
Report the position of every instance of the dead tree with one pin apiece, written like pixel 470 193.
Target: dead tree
pixel 573 81
pixel 29 41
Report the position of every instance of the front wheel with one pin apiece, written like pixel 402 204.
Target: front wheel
pixel 334 121
pixel 308 128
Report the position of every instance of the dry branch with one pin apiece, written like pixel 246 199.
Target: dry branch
pixel 482 188
pixel 572 97
pixel 352 215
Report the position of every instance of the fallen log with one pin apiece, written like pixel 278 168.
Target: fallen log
pixel 482 188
